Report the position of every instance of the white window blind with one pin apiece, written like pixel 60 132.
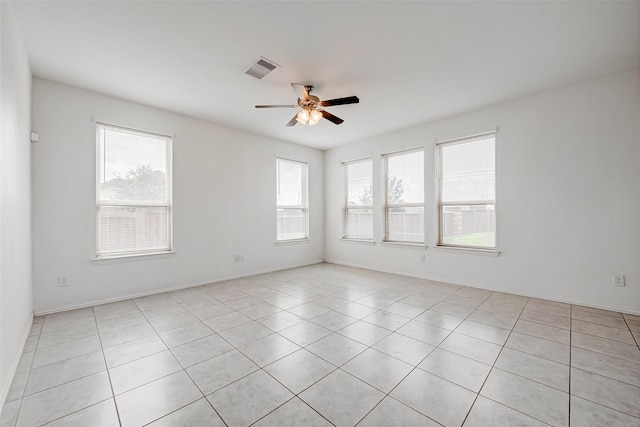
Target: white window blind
pixel 358 221
pixel 291 200
pixel 404 196
pixel 133 202
pixel 467 181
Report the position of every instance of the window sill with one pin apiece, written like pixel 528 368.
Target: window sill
pixel 292 242
pixel 419 246
pixel 358 241
pixel 132 257
pixel 469 251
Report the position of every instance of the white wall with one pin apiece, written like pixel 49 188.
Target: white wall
pixel 15 199
pixel 223 201
pixel 568 202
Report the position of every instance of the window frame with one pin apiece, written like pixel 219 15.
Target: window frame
pixel 387 206
pixel 439 184
pixel 304 199
pixel 345 228
pixel 168 139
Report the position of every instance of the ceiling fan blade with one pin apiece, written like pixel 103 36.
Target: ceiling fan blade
pixel 340 101
pixel 301 91
pixel 333 119
pixel 293 121
pixel 276 106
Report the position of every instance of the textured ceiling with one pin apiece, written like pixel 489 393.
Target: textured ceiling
pixel 408 62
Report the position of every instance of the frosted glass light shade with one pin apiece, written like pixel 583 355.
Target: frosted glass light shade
pixel 303 117
pixel 315 117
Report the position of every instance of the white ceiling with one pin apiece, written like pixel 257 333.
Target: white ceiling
pixel 408 62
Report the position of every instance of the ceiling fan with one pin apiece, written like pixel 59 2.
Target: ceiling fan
pixel 310 112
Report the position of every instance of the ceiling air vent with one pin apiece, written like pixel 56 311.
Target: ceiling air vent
pixel 261 68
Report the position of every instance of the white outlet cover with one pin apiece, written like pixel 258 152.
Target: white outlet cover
pixel 618 280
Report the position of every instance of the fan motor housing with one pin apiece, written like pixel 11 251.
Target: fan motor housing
pixel 311 103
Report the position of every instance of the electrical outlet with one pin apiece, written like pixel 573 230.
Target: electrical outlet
pixel 422 257
pixel 63 281
pixel 618 280
pixel 238 258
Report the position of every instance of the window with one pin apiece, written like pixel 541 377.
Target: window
pixel 133 197
pixel 358 222
pixel 404 196
pixel 292 206
pixel 467 184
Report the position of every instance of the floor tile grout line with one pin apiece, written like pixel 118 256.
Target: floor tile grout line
pixel 425 357
pixel 517 410
pixel 491 370
pixel 602 324
pixel 70 357
pixel 536 356
pixel 479 339
pixel 570 359
pixel 182 368
pixel 596 310
pixel 539 337
pixel 546 324
pixel 297 395
pixel 631 332
pixel 106 366
pixel 184 406
pixel 608 339
pixel 137 358
pixel 61 344
pixel 66 382
pixel 28 371
pixel 369 346
pixel 260 368
pixel 34 356
pixel 334 370
pixel 351 375
pixel 79 410
pixel 608 407
pixel 608 355
pixel 271 363
pixel 609 378
pixel 388 394
pixel 244 376
pixel 400 402
pixel 280 406
pixel 221 388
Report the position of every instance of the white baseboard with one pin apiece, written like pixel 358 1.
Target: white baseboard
pixel 52 310
pixel 488 288
pixel 329 261
pixel 14 367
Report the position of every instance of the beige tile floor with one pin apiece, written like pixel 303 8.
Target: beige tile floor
pixel 329 345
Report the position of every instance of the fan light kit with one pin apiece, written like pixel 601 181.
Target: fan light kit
pixel 310 113
pixel 309 117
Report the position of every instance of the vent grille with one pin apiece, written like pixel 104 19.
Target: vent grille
pixel 261 68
